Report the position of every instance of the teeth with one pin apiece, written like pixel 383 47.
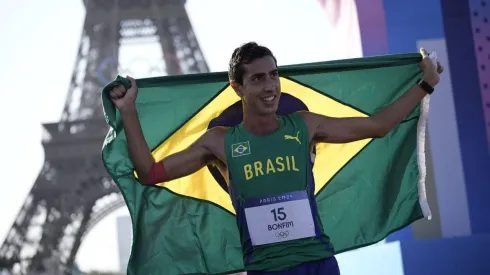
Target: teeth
pixel 269 98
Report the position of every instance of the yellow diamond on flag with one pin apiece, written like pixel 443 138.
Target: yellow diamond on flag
pixel 330 158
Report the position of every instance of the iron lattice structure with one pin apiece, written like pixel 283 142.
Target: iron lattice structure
pixel 73 191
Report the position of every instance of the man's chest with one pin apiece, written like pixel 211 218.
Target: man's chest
pixel 262 168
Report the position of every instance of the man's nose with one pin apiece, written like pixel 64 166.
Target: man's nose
pixel 270 85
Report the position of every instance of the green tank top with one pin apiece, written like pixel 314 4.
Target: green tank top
pixel 272 190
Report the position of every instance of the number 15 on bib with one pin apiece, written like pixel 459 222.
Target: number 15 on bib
pixel 279 218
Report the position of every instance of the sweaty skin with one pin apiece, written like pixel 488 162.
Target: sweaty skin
pixel 260 92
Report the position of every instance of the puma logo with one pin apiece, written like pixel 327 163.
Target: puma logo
pixel 293 137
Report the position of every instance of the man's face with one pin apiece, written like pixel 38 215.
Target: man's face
pixel 261 87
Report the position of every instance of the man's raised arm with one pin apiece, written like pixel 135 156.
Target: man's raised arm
pixel 343 130
pixel 172 167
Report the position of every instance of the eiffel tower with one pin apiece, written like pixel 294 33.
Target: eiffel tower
pixel 73 192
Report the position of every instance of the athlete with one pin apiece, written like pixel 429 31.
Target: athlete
pixel 267 163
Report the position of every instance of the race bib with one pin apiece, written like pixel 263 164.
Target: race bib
pixel 279 218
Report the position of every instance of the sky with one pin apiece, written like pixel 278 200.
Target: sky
pixel 39 42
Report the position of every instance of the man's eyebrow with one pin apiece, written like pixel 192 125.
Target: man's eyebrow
pixel 259 74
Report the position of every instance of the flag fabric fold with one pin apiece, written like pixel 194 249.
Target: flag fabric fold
pixel 365 189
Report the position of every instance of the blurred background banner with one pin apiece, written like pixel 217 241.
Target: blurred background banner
pixel 61 213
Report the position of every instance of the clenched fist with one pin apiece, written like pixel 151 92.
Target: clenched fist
pixel 123 98
pixel 431 72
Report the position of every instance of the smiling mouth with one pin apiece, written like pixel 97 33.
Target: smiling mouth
pixel 268 99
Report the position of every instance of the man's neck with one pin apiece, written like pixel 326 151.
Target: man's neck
pixel 260 125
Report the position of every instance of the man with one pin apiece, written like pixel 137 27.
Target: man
pixel 266 161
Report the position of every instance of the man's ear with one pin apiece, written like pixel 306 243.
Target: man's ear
pixel 236 87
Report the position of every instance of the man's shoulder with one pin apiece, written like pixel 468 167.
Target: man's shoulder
pixel 309 119
pixel 213 140
pixel 214 137
pixel 305 116
pixel 215 133
pixel 301 114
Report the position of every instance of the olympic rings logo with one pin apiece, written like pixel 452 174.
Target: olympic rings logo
pixel 282 234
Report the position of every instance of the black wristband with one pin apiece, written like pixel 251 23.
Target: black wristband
pixel 425 86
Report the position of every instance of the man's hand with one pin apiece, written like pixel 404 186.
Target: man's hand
pixel 123 98
pixel 177 165
pixel 431 73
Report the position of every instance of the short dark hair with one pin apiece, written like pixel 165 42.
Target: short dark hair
pixel 245 54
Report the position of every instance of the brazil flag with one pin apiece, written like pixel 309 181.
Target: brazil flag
pixel 365 190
